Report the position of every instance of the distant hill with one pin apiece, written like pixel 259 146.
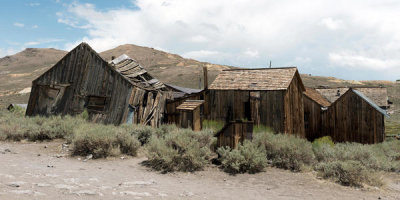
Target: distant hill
pixel 169 68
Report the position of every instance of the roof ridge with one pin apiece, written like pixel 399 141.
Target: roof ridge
pixel 243 69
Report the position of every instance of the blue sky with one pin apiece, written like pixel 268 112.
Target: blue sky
pixel 358 40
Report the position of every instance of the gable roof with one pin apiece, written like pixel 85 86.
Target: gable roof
pixel 370 102
pixel 255 79
pixel 87 48
pixel 317 97
pixel 377 94
pixel 190 104
pixel 133 71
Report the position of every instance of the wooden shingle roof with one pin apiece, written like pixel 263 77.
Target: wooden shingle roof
pixel 190 104
pixel 317 97
pixel 377 95
pixel 130 69
pixel 254 79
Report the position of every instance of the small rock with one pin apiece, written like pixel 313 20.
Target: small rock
pixel 59 156
pixel 7 150
pixel 90 156
pixel 50 166
pixel 122 158
pixel 38 154
pixel 85 192
pixel 45 146
pixel 13 185
pixel 79 158
pixel 139 194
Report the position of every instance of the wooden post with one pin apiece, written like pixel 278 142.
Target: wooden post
pixel 205 79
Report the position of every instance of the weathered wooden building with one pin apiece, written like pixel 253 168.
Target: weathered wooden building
pixel 272 97
pixel 353 117
pixel 315 106
pixel 112 93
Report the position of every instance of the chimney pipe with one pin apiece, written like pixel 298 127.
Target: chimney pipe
pixel 205 79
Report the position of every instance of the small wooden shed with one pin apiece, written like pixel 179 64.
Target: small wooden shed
pixel 234 133
pixel 315 106
pixel 353 117
pixel 271 97
pixel 190 114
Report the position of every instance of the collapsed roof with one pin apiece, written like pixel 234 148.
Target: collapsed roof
pixel 133 71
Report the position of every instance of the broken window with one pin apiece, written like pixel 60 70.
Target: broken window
pixel 96 103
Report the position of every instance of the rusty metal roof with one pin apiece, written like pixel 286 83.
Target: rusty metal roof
pixel 190 104
pixel 132 70
pixel 254 79
pixel 377 94
pixel 317 97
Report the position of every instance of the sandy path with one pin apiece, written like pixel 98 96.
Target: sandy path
pixel 25 175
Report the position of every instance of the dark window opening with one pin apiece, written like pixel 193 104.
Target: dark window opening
pixel 247 111
pixel 96 103
pixel 306 120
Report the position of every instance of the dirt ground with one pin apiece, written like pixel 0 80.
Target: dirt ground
pixel 45 171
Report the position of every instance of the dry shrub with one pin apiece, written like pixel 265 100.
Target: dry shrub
pixel 286 151
pixel 246 158
pixel 102 141
pixel 179 150
pixel 348 173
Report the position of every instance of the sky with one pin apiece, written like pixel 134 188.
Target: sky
pixel 355 40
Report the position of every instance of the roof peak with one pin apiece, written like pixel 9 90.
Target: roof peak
pixel 245 69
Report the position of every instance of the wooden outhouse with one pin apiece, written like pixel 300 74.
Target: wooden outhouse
pixel 113 93
pixel 234 133
pixel 315 106
pixel 354 117
pixel 190 114
pixel 271 97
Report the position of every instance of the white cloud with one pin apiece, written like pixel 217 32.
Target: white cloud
pixel 35 26
pixel 334 36
pixel 363 62
pixel 7 52
pixel 251 53
pixel 34 4
pixel 17 24
pixel 332 24
pixel 42 41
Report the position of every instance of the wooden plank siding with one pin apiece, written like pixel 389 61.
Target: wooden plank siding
pixel 234 133
pixel 313 114
pixel 171 113
pixel 83 74
pixel 294 108
pixel 352 119
pixel 270 97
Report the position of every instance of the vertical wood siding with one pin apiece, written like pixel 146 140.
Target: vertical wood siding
pixel 351 119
